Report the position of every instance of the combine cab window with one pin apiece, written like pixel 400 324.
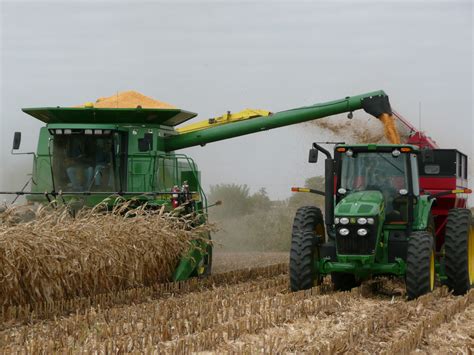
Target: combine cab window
pixel 87 162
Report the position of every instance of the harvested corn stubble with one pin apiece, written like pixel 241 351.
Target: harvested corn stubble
pixel 56 256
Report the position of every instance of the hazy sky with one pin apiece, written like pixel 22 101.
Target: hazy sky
pixel 214 56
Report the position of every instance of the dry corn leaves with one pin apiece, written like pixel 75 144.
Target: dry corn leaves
pixel 55 256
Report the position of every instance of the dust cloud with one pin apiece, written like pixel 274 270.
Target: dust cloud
pixel 363 130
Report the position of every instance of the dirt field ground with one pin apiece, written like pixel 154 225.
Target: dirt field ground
pixel 247 311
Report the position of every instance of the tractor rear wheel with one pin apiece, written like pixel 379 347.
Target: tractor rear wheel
pixel 307 234
pixel 420 267
pixel 459 250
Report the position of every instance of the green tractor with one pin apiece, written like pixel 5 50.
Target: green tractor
pixel 392 210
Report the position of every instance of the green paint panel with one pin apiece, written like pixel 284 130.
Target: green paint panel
pixel 360 204
pixel 167 117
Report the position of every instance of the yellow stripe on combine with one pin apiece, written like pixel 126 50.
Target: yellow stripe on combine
pixel 224 119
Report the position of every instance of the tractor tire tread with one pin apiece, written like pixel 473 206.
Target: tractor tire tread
pixel 456 250
pixel 420 247
pixel 303 243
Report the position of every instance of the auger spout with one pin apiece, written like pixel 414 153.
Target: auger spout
pixel 375 103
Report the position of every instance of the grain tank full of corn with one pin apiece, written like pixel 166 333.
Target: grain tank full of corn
pixel 86 154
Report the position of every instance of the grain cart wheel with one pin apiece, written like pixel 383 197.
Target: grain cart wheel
pixel 307 234
pixel 420 272
pixel 459 250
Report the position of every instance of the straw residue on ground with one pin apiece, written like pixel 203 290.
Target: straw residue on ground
pixel 249 311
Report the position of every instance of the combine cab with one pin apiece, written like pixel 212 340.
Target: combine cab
pixel 390 210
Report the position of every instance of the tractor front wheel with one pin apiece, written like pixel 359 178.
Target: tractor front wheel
pixel 308 232
pixel 459 250
pixel 420 269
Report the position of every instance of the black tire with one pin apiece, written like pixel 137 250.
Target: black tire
pixel 307 234
pixel 343 281
pixel 420 273
pixel 456 249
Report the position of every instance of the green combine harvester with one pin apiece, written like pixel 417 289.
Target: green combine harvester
pixel 88 154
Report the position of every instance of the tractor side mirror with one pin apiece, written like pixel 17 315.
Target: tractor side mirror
pixel 313 155
pixel 16 140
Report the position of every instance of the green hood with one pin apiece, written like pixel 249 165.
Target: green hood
pixel 360 204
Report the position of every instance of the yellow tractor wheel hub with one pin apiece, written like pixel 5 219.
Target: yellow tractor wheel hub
pixel 470 255
pixel 432 271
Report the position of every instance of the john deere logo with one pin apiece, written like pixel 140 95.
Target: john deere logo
pixel 353 220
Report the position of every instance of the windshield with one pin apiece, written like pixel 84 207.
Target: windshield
pixel 85 162
pixel 373 171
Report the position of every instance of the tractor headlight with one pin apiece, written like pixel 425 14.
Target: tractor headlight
pixel 370 220
pixel 337 220
pixel 362 232
pixel 362 221
pixel 344 231
pixel 344 220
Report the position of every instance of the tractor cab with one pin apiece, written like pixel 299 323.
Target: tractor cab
pixel 373 179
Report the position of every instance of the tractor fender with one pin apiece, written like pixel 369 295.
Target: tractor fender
pixel 423 217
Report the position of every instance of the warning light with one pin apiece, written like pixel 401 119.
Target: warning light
pixel 405 150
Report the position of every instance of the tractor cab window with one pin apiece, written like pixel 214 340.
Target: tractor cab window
pixel 373 171
pixel 86 162
pixel 380 171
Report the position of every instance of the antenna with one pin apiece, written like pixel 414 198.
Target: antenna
pixel 419 116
